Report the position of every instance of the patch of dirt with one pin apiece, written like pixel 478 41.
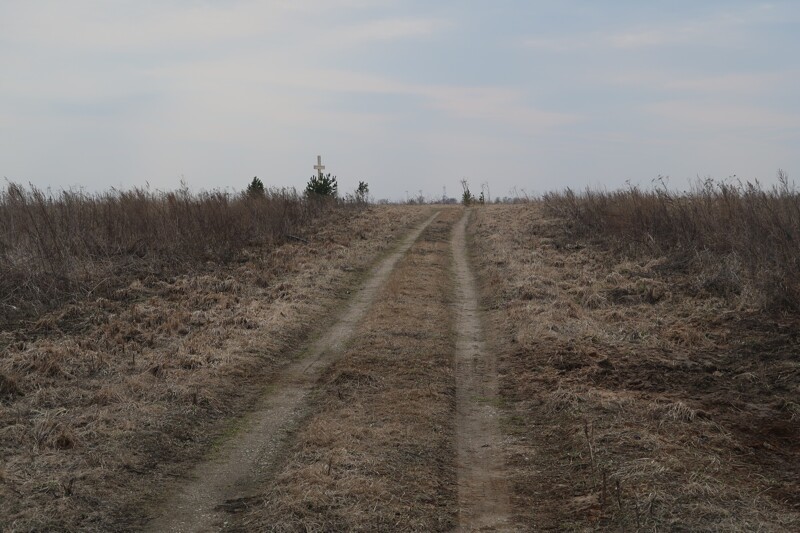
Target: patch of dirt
pixel 483 493
pixel 632 400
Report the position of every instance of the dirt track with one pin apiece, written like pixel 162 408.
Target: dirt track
pixel 455 468
pixel 606 392
pixel 246 459
pixel 483 493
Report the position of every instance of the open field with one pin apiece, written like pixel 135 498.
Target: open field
pixel 640 390
pixel 628 362
pixel 102 399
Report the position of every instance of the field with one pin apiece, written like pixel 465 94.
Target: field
pixel 171 361
pixel 649 357
pixel 108 390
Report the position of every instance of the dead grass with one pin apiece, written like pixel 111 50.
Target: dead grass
pixel 104 397
pixel 65 246
pixel 377 451
pixel 733 238
pixel 635 401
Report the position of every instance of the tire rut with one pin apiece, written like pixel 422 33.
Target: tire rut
pixel 483 494
pixel 226 481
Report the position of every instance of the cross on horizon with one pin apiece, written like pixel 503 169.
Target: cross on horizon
pixel 319 167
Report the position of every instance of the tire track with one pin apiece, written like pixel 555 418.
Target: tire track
pixel 483 493
pixel 226 481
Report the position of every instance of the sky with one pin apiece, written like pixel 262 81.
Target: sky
pixel 409 96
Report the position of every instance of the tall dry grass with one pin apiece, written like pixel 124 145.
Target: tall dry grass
pixel 742 236
pixel 68 244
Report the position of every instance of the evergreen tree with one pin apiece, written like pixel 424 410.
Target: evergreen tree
pixel 256 188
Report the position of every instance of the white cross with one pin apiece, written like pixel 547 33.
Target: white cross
pixel 319 167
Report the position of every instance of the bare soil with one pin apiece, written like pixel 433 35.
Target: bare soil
pixel 634 397
pixel 483 492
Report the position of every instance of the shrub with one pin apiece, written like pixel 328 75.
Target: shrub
pixel 322 186
pixel 256 188
pixel 362 192
pixel 466 197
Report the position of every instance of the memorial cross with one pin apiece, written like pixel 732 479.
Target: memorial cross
pixel 319 167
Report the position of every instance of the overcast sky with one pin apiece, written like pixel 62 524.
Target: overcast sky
pixel 407 95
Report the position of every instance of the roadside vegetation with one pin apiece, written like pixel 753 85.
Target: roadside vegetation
pixel 137 324
pixel 63 246
pixel 648 344
pixel 742 239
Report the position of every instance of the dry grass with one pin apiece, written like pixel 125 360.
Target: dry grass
pixel 738 239
pixel 57 247
pixel 376 453
pixel 634 400
pixel 104 397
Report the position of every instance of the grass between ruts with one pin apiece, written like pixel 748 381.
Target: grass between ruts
pixel 377 451
pixel 104 398
pixel 636 396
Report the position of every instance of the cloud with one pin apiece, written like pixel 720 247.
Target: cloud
pixel 384 30
pixel 730 83
pixel 247 79
pixel 93 26
pixel 724 28
pixel 679 34
pixel 694 115
pixel 557 44
pixel 491 103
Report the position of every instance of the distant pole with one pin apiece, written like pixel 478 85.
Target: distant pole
pixel 319 167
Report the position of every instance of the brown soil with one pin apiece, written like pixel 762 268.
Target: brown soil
pixel 243 462
pixel 634 399
pixel 105 401
pixel 483 493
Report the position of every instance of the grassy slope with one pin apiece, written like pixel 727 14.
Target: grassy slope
pixel 635 398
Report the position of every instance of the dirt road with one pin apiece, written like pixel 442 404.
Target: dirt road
pixel 388 421
pixel 247 458
pixel 483 494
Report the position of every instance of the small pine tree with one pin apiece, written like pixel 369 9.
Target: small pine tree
pixel 362 191
pixel 324 186
pixel 256 188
